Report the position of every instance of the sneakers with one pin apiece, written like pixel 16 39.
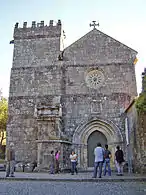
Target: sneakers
pixel 10 176
pixel 119 174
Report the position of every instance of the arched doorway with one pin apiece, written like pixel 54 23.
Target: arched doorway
pixel 84 135
pixel 92 141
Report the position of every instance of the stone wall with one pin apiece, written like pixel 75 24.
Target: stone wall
pixel 136 149
pixel 35 81
pixel 118 78
pixel 22 128
pixel 107 101
pixel 140 149
pixel 44 153
pixel 39 76
pixel 98 48
pixel 130 125
pixel 36 45
pixel 136 115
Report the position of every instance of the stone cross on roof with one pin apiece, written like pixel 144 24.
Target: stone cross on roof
pixel 94 24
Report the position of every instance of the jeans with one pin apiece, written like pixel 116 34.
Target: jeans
pixel 107 164
pixel 52 170
pixel 10 168
pixel 119 167
pixel 74 167
pixel 96 165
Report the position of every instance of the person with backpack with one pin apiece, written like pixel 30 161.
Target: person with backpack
pixel 119 160
pixel 107 156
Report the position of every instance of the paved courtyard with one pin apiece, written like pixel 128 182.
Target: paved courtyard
pixel 71 188
pixel 66 184
pixel 86 176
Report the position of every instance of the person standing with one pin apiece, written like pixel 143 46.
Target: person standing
pixel 10 157
pixel 99 157
pixel 73 158
pixel 57 156
pixel 34 165
pixel 107 156
pixel 52 165
pixel 119 160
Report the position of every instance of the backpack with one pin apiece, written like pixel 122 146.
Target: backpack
pixel 107 153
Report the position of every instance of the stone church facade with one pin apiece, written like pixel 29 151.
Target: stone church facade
pixel 69 99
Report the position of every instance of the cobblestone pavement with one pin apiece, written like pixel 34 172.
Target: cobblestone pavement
pixel 86 175
pixel 71 188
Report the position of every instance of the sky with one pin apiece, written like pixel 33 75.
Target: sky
pixel 124 20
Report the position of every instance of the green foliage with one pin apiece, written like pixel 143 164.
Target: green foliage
pixel 2 161
pixel 141 103
pixel 3 118
pixel 3 113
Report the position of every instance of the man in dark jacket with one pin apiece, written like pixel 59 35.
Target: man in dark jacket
pixel 34 165
pixel 52 165
pixel 119 160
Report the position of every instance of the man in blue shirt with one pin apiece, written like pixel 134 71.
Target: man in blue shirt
pixel 99 158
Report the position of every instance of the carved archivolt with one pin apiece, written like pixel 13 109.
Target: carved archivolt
pixel 83 131
pixel 109 129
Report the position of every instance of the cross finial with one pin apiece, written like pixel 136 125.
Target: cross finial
pixel 94 24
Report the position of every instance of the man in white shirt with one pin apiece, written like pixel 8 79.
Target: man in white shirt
pixel 73 158
pixel 99 158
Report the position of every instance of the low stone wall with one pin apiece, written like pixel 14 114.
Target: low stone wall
pixel 44 153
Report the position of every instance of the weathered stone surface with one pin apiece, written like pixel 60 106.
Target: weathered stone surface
pixel 136 119
pixel 39 77
pixel 140 148
pixel 136 149
pixel 96 47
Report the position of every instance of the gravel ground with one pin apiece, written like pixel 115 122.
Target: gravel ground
pixel 71 188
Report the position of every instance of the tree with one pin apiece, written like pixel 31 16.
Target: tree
pixel 141 101
pixel 3 118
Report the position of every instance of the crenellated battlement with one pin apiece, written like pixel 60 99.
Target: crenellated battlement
pixel 37 30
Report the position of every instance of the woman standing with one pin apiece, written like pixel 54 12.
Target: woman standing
pixel 57 155
pixel 73 158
